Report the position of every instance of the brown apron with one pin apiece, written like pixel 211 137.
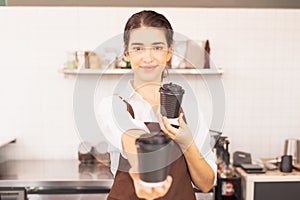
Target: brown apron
pixel 181 188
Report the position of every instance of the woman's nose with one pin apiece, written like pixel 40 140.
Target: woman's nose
pixel 147 57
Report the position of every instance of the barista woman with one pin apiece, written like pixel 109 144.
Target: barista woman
pixel 148 39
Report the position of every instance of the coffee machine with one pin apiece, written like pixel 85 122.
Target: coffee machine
pixel 222 151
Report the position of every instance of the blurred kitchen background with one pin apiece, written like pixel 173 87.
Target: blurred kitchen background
pixel 257 49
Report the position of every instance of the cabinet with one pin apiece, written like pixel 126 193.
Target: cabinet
pixel 273 185
pixel 235 181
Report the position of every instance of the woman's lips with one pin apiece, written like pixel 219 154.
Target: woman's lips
pixel 149 67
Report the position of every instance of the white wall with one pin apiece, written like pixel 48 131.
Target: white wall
pixel 258 50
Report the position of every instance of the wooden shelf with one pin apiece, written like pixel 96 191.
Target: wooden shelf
pixel 129 71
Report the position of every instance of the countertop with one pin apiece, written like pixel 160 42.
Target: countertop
pixel 49 173
pixel 275 175
pixel 41 176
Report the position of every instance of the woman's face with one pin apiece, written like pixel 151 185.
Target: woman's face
pixel 148 53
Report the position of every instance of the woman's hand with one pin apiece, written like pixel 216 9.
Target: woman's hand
pixel 147 192
pixel 182 135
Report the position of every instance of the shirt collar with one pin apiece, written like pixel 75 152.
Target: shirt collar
pixel 128 91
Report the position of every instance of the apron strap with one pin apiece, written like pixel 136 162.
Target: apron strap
pixel 129 107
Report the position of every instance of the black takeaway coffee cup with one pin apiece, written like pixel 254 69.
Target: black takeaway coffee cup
pixel 153 157
pixel 170 101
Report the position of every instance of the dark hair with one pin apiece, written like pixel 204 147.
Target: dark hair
pixel 148 18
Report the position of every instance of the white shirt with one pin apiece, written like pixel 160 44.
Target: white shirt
pixel 114 119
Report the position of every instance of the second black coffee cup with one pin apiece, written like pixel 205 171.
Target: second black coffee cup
pixel 170 100
pixel 153 157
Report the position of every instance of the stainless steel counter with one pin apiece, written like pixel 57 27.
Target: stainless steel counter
pixel 67 179
pixel 54 173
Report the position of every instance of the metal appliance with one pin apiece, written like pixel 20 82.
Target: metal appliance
pixel 12 193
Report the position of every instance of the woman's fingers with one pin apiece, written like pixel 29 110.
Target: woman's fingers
pixel 162 190
pixel 147 192
pixel 133 175
pixel 153 192
pixel 168 183
pixel 170 134
pixel 169 127
pixel 163 128
pixel 181 122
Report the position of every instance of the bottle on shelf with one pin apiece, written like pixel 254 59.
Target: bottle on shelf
pixel 206 55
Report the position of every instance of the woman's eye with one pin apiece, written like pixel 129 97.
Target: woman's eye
pixel 137 48
pixel 157 48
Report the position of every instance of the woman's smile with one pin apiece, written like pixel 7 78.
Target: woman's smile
pixel 148 67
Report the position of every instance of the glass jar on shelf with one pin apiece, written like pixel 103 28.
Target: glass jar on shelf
pixel 71 62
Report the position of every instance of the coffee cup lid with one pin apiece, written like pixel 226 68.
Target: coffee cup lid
pixel 171 88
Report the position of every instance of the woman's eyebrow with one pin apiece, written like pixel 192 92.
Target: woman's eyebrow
pixel 137 43
pixel 154 43
pixel 157 43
